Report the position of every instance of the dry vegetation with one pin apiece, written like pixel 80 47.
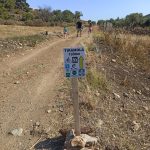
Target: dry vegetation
pixel 131 49
pixel 114 97
pixel 7 31
pixel 19 38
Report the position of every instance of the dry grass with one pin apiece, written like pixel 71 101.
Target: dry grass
pixel 7 31
pixel 131 48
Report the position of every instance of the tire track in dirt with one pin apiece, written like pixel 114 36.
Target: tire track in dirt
pixel 27 100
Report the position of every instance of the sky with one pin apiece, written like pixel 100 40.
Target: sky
pixel 97 9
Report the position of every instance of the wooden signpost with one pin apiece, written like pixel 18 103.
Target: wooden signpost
pixel 75 99
pixel 74 65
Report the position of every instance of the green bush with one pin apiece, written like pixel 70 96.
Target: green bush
pixel 27 16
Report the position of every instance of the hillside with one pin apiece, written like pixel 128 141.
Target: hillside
pixel 19 12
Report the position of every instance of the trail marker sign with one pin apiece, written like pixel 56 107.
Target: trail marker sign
pixel 74 62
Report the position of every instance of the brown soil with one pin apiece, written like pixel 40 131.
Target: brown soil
pixel 28 86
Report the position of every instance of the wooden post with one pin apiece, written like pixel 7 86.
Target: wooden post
pixel 75 99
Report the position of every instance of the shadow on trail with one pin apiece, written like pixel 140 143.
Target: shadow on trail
pixel 51 144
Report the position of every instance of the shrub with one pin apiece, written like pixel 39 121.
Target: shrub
pixel 96 80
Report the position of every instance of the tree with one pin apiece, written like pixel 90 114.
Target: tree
pixel 89 21
pixel 78 15
pixel 10 5
pixel 93 22
pixel 27 16
pixel 134 19
pixel 101 22
pixel 22 5
pixel 67 16
pixel 57 16
pixel 44 14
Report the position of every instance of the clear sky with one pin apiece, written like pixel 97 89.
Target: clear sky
pixel 97 9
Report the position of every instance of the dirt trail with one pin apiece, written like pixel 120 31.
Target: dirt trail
pixel 27 87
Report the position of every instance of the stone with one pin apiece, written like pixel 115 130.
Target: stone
pixel 61 109
pixel 146 108
pixel 17 82
pixel 97 94
pixel 17 132
pixel 113 60
pixel 126 95
pixel 99 123
pixel 88 89
pixel 78 141
pixel 20 44
pixel 136 125
pixel 37 124
pixel 116 96
pixel 139 92
pixel 147 89
pixel 134 90
pixel 89 140
pixel 49 111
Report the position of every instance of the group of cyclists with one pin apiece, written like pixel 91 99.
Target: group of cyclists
pixel 79 28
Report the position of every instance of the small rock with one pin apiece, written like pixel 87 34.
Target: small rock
pixel 126 95
pixel 88 89
pixel 17 82
pixel 48 111
pixel 20 44
pixel 146 108
pixel 136 126
pixel 37 124
pixel 139 92
pixel 99 123
pixel 147 89
pixel 8 56
pixel 113 60
pixel 97 94
pixel 61 109
pixel 17 132
pixel 27 72
pixel 134 90
pixel 90 141
pixel 116 96
pixel 78 141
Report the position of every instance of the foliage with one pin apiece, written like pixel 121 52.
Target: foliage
pixel 96 80
pixel 19 10
pixel 132 49
pixel 132 20
pixel 27 16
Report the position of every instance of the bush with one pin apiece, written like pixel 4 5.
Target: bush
pixel 128 46
pixel 31 40
pixel 27 16
pixel 96 80
pixel 36 23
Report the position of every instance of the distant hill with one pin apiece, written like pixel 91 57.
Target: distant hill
pixel 147 16
pixel 19 11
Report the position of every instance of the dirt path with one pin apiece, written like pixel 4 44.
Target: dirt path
pixel 28 85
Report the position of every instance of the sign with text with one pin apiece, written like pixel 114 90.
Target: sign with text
pixel 74 62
